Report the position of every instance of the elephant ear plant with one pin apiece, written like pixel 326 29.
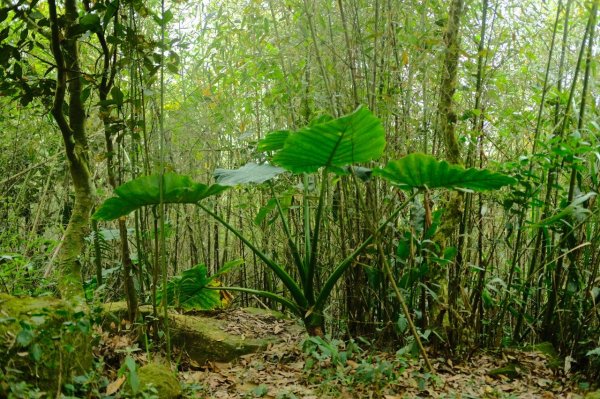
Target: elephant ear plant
pixel 328 146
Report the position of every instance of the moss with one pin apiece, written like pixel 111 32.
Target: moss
pixel 44 340
pixel 544 347
pixel 265 312
pixel 510 370
pixel 161 378
pixel 593 395
pixel 553 360
pixel 202 337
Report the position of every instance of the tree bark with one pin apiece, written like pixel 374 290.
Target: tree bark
pixel 446 129
pixel 72 127
pixel 447 121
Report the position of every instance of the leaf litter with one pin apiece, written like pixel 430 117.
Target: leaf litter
pixel 280 371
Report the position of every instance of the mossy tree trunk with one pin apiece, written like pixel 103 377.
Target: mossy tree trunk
pixel 447 115
pixel 70 115
pixel 447 130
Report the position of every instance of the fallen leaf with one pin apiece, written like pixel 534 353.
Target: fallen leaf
pixel 114 386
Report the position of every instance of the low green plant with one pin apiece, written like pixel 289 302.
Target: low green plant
pixel 337 366
pixel 326 147
pixel 129 370
pixel 188 291
pixel 91 384
pixel 21 275
pixel 327 350
pixel 593 357
pixel 42 340
pixel 259 391
pixel 12 387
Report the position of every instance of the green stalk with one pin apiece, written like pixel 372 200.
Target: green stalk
pixel 293 247
pixel 306 216
pixel 285 302
pixel 161 205
pixel 314 247
pixel 285 278
pixel 343 266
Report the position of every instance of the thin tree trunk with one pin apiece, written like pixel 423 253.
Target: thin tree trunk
pixel 477 137
pixel 550 332
pixel 108 74
pixel 552 177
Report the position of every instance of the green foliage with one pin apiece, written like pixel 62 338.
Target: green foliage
pixel 146 191
pixel 191 289
pixel 575 209
pixel 274 141
pixel 420 254
pixel 328 143
pixel 12 388
pixel 357 137
pixel 260 391
pixel 336 365
pixel 425 172
pixel 20 275
pixel 269 210
pixel 129 369
pixel 41 339
pixel 329 350
pixel 249 173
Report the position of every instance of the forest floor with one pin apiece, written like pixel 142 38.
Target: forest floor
pixel 265 375
pixel 287 370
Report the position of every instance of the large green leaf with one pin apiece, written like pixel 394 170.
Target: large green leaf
pixel 273 141
pixel 227 267
pixel 249 173
pixel 575 208
pixel 424 171
pixel 145 190
pixel 189 290
pixel 358 137
pixel 195 290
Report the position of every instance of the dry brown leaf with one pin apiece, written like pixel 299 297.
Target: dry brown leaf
pixel 352 364
pixel 218 366
pixel 542 382
pixel 114 386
